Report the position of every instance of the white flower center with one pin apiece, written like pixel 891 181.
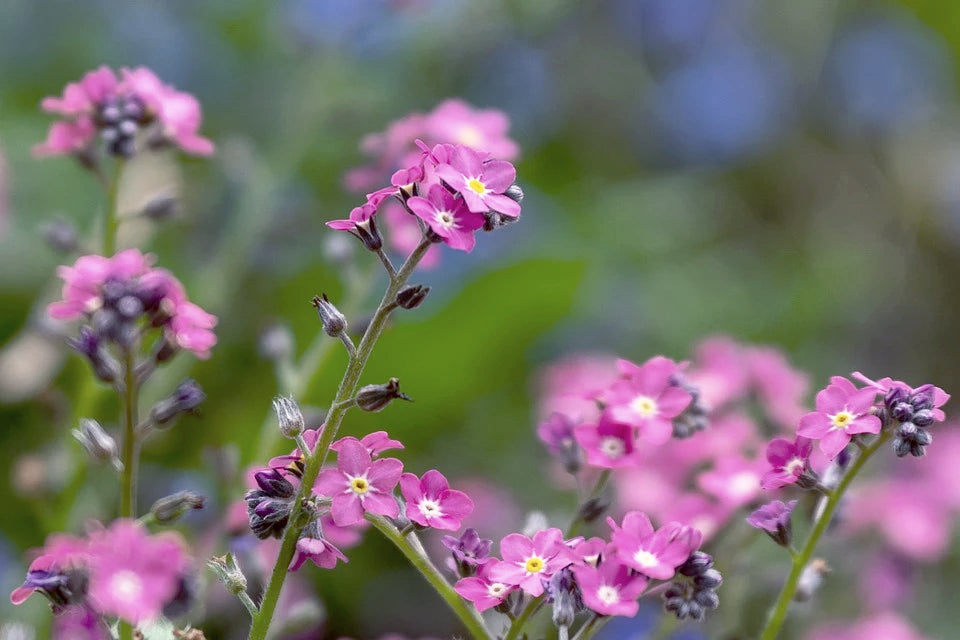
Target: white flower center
pixel 469 135
pixel 644 405
pixel 430 508
pixel 446 220
pixel 608 595
pixel 496 589
pixel 795 465
pixel 126 586
pixel 645 559
pixel 744 483
pixel 612 447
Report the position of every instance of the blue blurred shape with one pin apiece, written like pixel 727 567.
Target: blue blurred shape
pixel 724 105
pixel 883 72
pixel 667 30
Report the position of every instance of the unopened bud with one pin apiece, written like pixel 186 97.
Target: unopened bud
pixel 164 350
pixel 594 507
pixel 61 235
pixel 276 343
pixel 411 296
pixel 369 235
pixel 289 417
pixel 810 579
pixel 375 397
pixel 186 397
pixel 161 208
pixel 334 323
pixel 96 442
pixel 229 573
pixel 171 508
pixel 515 193
pixel 104 365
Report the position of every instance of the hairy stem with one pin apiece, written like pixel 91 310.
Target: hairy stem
pixel 468 615
pixel 532 607
pixel 338 408
pixel 779 612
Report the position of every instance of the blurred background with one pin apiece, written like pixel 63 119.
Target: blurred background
pixel 786 173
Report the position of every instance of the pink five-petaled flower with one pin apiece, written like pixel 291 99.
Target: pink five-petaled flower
pixel 432 503
pixel 646 398
pixel 376 443
pixel 50 572
pixel 609 444
pixel 313 546
pixel 788 461
pixel 611 589
pixel 360 484
pixel 483 590
pixel 482 183
pixel 448 217
pixel 133 574
pixel 527 561
pixel 842 411
pixel 655 554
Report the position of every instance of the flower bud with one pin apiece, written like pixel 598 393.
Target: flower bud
pixel 104 365
pixel 161 208
pixel 171 508
pixel 334 323
pixel 411 296
pixel 61 235
pixel 810 579
pixel 375 397
pixel 594 507
pixel 96 442
pixel 369 235
pixel 515 193
pixel 186 397
pixel 229 573
pixel 164 350
pixel 289 417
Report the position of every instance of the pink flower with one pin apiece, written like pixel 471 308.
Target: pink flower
pixel 483 130
pixel 527 561
pixel 884 626
pixel 191 329
pixel 313 546
pixel 646 398
pixel 403 233
pixel 611 589
pixel 655 554
pixel 842 411
pixel 58 571
pixel 609 444
pixel 774 518
pixel 483 590
pixel 376 443
pixel 734 480
pixel 360 484
pixel 83 282
pixel 79 622
pixel 925 397
pixel 448 217
pixel 431 502
pixel 788 461
pixel 481 183
pixel 133 574
pixel 177 112
pixel 294 460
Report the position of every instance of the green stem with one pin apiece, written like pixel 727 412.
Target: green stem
pixel 468 615
pixel 587 629
pixel 597 490
pixel 112 217
pixel 128 479
pixel 338 408
pixel 532 607
pixel 779 612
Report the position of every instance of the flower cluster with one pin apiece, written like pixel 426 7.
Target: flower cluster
pixel 122 110
pixel 605 576
pixel 120 571
pixel 123 296
pixel 451 190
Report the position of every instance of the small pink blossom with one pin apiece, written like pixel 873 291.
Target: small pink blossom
pixel 883 626
pixel 788 461
pixel 360 484
pixel 313 546
pixel 646 398
pixel 178 112
pixel 480 182
pixel 133 574
pixel 734 480
pixel 60 555
pixel 611 589
pixel 527 561
pixel 654 553
pixel 404 234
pixel 609 444
pixel 432 503
pixel 842 411
pixel 483 590
pixel 448 217
pixel 376 443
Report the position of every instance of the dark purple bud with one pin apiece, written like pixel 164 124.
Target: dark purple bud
pixel 375 397
pixel 922 397
pixel 515 193
pixel 273 484
pixel 902 411
pixel 334 322
pixel 161 208
pixel 164 350
pixel 895 396
pixel 411 296
pixel 594 507
pixel 923 418
pixel 171 508
pixel 186 397
pixel 104 365
pixel 369 235
pixel 709 579
pixel 468 550
pixel 708 599
pixel 697 563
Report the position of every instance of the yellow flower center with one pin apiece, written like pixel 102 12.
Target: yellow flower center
pixel 842 419
pixel 360 485
pixel 476 185
pixel 644 405
pixel 534 564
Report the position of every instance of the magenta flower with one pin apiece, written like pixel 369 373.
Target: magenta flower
pixel 483 130
pixel 480 182
pixel 774 518
pixel 655 554
pixel 788 460
pixel 376 443
pixel 611 589
pixel 404 234
pixel 646 398
pixel 483 590
pixel 313 546
pixel 881 626
pixel 527 561
pixel 432 503
pixel 589 552
pixel 469 550
pixel 925 397
pixel 448 217
pixel 58 572
pixel 842 411
pixel 118 109
pixel 360 484
pixel 294 460
pixel 133 574
pixel 734 480
pixel 609 444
